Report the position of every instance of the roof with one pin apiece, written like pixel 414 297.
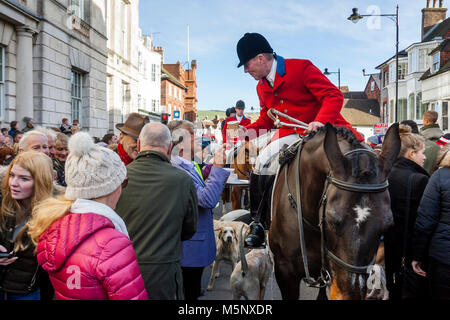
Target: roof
pixel 355 95
pixel 361 112
pixel 438 30
pixel 444 46
pixel 442 69
pixel 402 53
pixel 165 75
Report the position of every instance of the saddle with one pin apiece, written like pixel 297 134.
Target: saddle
pixel 288 153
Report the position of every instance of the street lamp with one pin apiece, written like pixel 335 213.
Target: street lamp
pixel 327 73
pixel 355 17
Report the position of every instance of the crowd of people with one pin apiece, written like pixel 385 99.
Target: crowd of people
pixel 130 217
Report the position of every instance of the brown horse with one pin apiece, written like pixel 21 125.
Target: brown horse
pixel 242 160
pixel 345 207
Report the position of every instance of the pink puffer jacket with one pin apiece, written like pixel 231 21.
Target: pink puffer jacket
pixel 88 259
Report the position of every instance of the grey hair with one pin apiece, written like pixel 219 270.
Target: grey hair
pixel 47 132
pixel 177 128
pixel 156 135
pixel 23 143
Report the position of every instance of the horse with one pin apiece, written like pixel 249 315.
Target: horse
pixel 242 160
pixel 344 208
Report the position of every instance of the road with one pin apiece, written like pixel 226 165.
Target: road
pixel 221 289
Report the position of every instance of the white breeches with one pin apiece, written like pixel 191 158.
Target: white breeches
pixel 267 161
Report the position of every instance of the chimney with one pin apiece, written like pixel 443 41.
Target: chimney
pixel 161 52
pixel 432 15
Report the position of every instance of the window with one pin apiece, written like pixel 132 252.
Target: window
pixel 124 26
pixel 420 108
pixel 154 105
pixel 153 72
pixel 140 62
pixel 423 59
pixel 436 58
pixel 385 78
pixel 372 86
pixel 402 111
pixel 76 81
pixel 139 101
pixel 402 70
pixel 412 61
pixel 78 8
pixel 392 111
pixel 125 94
pixel 435 106
pixel 445 115
pixel 2 81
pixel 411 107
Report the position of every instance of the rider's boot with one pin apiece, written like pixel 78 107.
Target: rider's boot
pixel 259 200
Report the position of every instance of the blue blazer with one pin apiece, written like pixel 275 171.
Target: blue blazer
pixel 200 250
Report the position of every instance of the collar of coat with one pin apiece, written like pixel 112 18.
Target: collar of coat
pixel 153 154
pixel 281 71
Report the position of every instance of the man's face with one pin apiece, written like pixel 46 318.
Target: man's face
pixel 18 137
pixel 51 146
pixel 257 67
pixel 239 112
pixel 30 123
pixel 37 143
pixel 129 145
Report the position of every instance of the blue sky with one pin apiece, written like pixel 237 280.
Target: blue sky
pixel 315 30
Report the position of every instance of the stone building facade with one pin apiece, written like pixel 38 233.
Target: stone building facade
pixel 54 62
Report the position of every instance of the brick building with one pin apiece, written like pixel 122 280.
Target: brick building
pixel 179 88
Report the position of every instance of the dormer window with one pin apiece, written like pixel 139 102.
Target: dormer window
pixel 436 60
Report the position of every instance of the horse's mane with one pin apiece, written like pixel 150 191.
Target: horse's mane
pixel 343 132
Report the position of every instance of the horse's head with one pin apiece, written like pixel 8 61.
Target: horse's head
pixel 244 159
pixel 357 209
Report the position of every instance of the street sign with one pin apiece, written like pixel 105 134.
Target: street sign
pixel 176 114
pixel 380 128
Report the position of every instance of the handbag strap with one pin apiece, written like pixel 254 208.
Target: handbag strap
pixel 407 213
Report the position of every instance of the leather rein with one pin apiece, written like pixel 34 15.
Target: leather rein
pixel 325 279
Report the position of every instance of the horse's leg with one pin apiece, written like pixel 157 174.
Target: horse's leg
pixel 322 294
pixel 288 281
pixel 236 198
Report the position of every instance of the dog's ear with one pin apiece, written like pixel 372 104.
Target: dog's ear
pixel 235 236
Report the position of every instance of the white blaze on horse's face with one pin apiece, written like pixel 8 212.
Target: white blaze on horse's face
pixel 361 214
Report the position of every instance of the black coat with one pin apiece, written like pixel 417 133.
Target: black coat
pixel 432 228
pixel 398 184
pixel 22 275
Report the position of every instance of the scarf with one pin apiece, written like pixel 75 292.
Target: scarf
pixel 123 155
pixel 81 206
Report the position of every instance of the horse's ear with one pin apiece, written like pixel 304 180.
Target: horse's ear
pixel 390 150
pixel 333 152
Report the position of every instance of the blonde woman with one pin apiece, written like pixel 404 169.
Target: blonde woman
pixel 29 180
pixel 81 241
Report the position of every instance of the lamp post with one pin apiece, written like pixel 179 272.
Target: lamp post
pixel 327 73
pixel 355 17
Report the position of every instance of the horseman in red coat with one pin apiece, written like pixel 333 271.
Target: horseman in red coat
pixel 240 118
pixel 294 87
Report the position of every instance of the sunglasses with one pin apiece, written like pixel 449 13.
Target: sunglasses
pixel 125 183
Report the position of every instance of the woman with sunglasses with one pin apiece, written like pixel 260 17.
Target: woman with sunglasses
pixel 81 241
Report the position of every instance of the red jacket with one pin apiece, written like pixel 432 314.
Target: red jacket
pixel 244 122
pixel 87 259
pixel 303 92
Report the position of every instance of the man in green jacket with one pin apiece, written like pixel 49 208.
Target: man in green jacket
pixel 159 207
pixel 431 132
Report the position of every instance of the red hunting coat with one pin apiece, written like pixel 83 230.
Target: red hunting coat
pixel 244 122
pixel 303 92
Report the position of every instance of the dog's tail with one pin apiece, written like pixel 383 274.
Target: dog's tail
pixel 244 265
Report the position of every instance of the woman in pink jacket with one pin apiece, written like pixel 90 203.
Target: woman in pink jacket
pixel 81 241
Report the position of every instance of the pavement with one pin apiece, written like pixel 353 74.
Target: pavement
pixel 221 289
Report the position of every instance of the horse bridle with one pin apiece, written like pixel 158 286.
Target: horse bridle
pixel 324 279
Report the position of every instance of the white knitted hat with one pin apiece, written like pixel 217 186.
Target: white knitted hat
pixel 91 171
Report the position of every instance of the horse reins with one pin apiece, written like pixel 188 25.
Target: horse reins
pixel 324 279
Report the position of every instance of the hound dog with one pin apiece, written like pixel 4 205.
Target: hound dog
pixel 250 276
pixel 227 246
